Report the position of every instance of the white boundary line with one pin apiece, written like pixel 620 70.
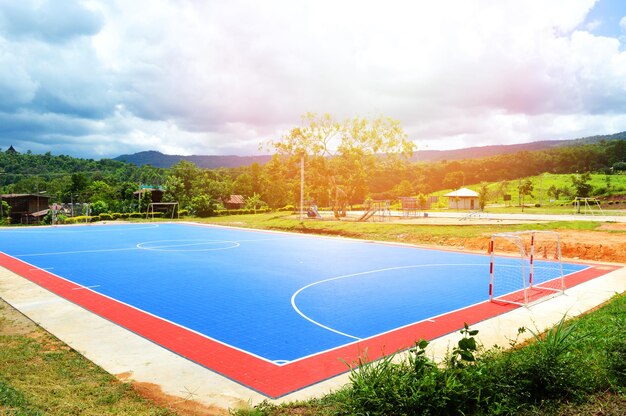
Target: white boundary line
pixel 82 228
pixel 303 315
pixel 82 287
pixel 186 243
pixel 280 362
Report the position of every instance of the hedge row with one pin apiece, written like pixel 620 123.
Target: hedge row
pixel 107 217
pixel 126 215
pixel 220 212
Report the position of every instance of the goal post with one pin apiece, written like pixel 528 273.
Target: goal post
pixel 526 267
pixel 164 207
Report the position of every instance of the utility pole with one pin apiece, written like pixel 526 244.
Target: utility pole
pixel 541 190
pixel 301 186
pixel 1 208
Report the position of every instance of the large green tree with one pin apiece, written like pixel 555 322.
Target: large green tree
pixel 342 155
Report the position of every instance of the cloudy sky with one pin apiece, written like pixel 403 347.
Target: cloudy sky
pixel 97 78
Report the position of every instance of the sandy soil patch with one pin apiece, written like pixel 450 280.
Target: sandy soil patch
pixel 12 322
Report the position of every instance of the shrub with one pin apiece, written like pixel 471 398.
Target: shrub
pixel 116 215
pixel 99 207
pixel 540 376
pixel 416 385
pixel 76 220
pixel 616 363
pixel 136 215
pixel 547 370
pixel 183 213
pixel 105 217
pixel 202 205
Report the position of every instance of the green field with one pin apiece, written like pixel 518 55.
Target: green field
pixel 604 187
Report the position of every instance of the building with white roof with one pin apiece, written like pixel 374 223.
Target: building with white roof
pixel 463 199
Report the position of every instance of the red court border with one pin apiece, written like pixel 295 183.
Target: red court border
pixel 263 376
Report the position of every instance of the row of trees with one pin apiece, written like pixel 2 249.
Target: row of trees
pixel 345 162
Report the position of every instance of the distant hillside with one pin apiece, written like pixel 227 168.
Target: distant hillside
pixel 160 160
pixel 486 151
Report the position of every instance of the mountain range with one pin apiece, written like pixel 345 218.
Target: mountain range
pixel 160 160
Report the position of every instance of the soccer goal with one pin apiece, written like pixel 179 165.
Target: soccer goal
pixel 526 267
pixel 165 207
pixel 587 206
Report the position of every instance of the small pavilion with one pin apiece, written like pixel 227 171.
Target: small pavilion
pixel 463 199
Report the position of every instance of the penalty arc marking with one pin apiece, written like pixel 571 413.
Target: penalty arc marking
pixel 321 325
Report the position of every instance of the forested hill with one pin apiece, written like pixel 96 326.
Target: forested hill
pixel 160 160
pixel 487 151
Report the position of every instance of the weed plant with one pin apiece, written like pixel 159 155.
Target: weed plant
pixel 565 365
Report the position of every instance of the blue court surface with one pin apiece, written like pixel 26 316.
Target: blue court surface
pixel 277 297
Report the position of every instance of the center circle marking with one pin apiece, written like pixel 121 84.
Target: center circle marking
pixel 188 245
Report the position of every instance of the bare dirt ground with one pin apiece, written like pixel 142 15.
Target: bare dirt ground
pixel 575 245
pixel 182 406
pixel 14 322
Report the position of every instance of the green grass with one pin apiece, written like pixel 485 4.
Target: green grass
pixel 541 184
pixel 575 368
pixel 39 375
pixel 385 231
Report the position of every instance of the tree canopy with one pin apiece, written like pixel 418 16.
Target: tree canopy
pixel 343 154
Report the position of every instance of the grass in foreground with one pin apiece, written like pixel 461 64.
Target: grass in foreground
pixel 575 368
pixel 39 375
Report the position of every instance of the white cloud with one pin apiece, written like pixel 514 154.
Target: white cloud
pixel 220 77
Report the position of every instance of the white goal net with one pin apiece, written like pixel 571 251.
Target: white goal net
pixel 526 267
pixel 165 208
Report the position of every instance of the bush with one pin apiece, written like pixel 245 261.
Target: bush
pixel 183 213
pixel 416 385
pixel 616 363
pixel 547 372
pixel 105 217
pixel 76 220
pixel 203 205
pixel 136 215
pixel 99 207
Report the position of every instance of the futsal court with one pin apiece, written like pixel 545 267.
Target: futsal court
pixel 273 311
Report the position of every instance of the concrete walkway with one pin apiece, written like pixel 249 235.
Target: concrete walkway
pixel 530 217
pixel 476 215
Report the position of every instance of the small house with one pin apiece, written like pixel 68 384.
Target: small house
pixel 235 202
pixel 156 194
pixel 463 199
pixel 27 208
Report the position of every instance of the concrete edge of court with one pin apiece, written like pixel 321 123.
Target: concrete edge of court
pixel 119 351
